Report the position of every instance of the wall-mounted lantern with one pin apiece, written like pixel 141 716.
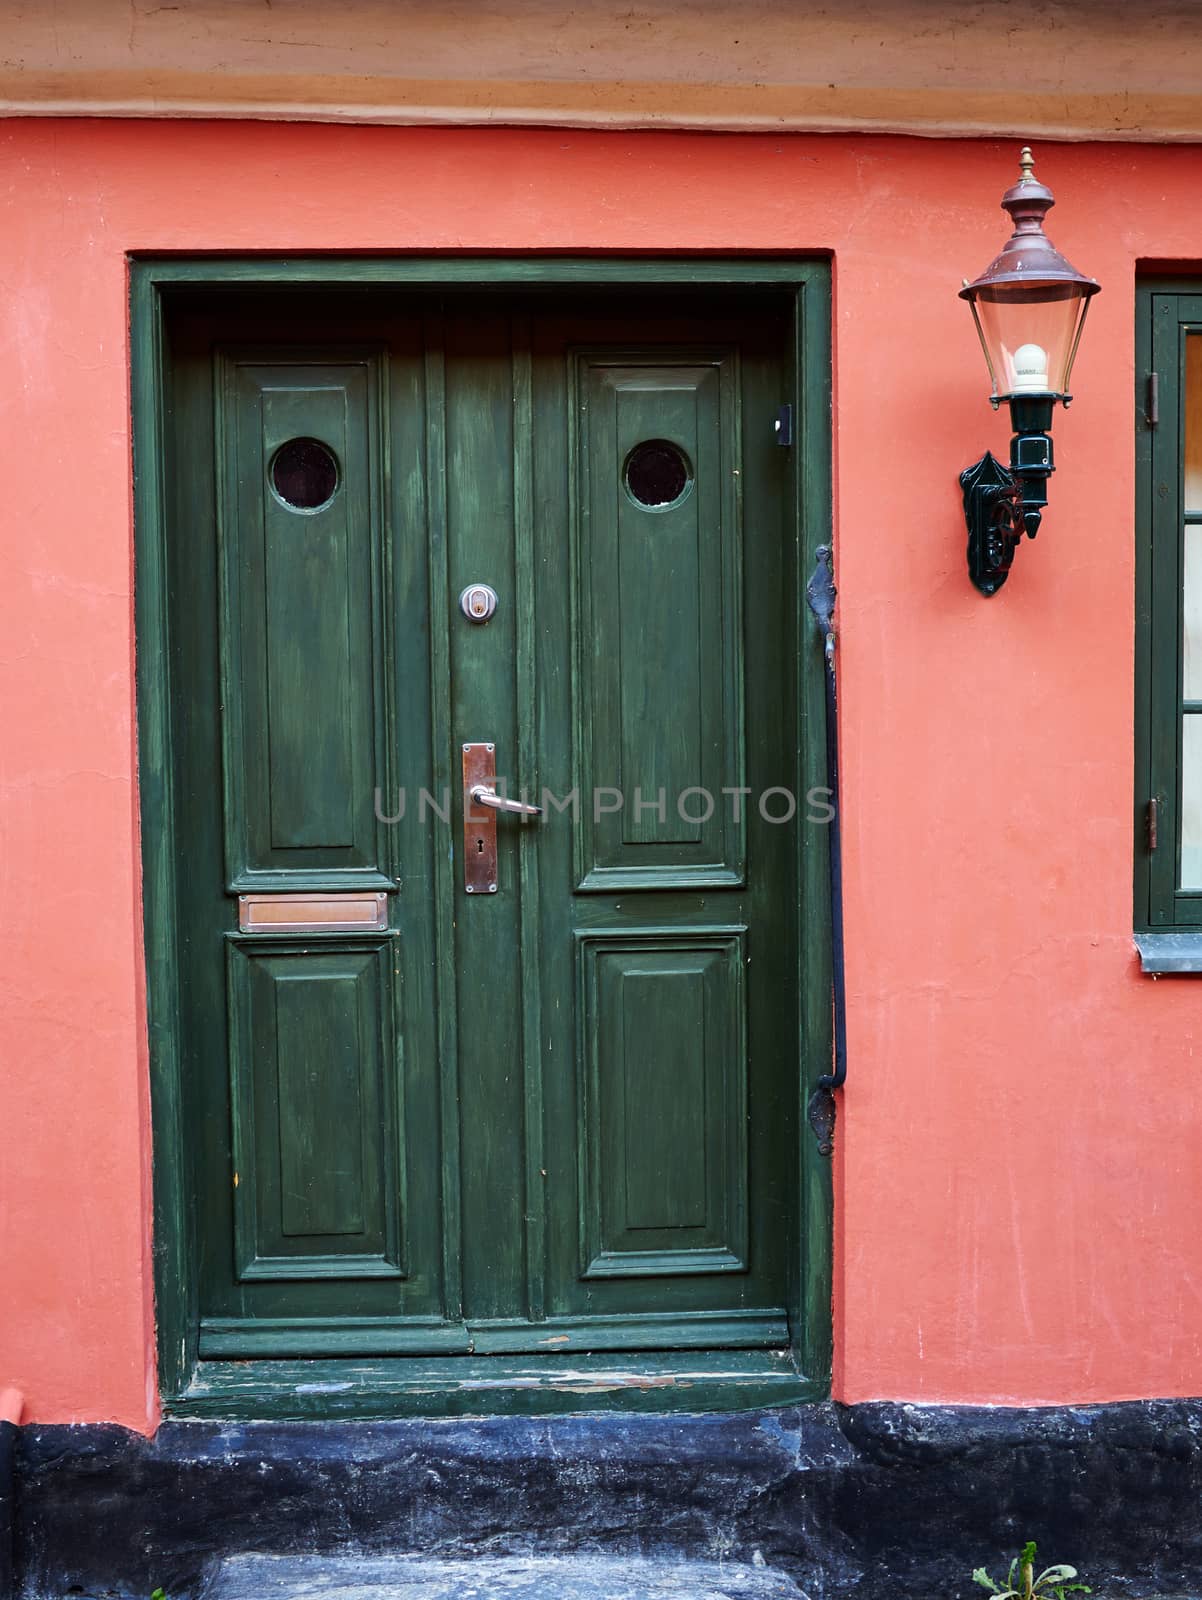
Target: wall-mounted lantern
pixel 1029 307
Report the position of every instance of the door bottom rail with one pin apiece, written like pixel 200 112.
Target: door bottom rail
pixel 319 1337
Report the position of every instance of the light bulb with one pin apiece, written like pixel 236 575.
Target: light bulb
pixel 1031 369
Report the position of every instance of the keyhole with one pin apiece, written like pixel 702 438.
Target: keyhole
pixel 479 847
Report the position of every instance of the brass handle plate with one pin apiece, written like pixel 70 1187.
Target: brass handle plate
pixel 479 823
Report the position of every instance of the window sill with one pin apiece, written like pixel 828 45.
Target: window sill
pixel 1180 951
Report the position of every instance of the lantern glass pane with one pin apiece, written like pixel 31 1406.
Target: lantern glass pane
pixel 1030 334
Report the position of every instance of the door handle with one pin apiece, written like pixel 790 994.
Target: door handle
pixel 482 795
pixel 480 826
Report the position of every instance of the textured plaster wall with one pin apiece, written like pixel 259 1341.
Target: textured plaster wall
pixel 1018 1179
pixel 1031 68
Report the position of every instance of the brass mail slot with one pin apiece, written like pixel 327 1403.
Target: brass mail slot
pixel 312 913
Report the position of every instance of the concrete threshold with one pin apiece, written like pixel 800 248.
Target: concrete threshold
pixel 577 1577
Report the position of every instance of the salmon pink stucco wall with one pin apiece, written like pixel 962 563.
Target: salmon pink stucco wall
pixel 1018 1168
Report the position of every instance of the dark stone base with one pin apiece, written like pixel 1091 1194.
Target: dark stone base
pixel 870 1500
pixel 8 1453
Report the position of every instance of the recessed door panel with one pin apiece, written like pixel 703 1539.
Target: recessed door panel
pixel 658 574
pixel 302 558
pixel 317 1133
pixel 664 1103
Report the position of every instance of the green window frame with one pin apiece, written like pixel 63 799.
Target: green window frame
pixel 1168 706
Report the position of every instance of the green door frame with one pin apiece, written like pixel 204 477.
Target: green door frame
pixel 464 1384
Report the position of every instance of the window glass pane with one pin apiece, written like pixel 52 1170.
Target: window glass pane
pixel 1192 473
pixel 657 474
pixel 1191 616
pixel 304 474
pixel 1191 801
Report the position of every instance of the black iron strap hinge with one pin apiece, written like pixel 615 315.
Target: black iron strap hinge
pixel 1152 403
pixel 1152 818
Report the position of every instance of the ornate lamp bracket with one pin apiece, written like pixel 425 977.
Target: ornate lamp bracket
pixel 993 510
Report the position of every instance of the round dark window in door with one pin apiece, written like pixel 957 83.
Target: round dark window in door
pixel 304 474
pixel 658 475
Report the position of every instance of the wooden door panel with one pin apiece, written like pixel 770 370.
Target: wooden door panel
pixel 660 623
pixel 666 1133
pixel 304 664
pixel 663 1100
pixel 317 1131
pixel 480 363
pixel 554 1117
pixel 325 1185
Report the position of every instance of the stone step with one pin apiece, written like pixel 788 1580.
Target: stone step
pixel 576 1577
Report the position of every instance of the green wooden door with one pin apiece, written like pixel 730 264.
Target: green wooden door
pixel 561 1116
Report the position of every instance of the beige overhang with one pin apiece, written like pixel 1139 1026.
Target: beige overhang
pixel 1103 69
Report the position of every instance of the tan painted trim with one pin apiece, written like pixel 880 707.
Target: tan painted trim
pixel 1052 69
pixel 1154 118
